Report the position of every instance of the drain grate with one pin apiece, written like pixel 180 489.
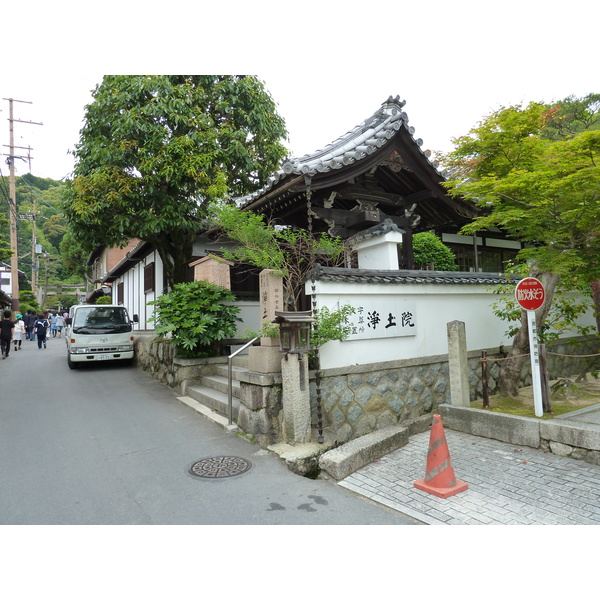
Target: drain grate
pixel 218 467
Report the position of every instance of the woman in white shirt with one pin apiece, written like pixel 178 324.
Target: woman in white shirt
pixel 19 332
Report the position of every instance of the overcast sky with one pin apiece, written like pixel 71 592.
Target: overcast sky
pixel 328 65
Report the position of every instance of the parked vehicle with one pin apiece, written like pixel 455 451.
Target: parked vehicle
pixel 99 332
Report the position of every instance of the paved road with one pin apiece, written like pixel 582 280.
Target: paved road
pixel 108 445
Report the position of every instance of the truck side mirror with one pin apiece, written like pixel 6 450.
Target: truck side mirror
pixel 68 320
pixel 136 318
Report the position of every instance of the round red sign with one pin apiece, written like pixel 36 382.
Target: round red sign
pixel 530 293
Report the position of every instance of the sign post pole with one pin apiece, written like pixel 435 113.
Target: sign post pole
pixel 536 376
pixel 530 295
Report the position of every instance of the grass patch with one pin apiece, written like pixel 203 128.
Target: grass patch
pixel 567 398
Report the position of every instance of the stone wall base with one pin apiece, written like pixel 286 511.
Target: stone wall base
pixel 358 400
pixel 574 440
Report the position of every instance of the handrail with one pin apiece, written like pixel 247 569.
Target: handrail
pixel 229 376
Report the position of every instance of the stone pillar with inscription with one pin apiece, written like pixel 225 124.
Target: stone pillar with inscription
pixel 271 300
pixel 458 365
pixel 266 357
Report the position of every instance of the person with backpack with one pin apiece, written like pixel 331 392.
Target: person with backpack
pixel 40 328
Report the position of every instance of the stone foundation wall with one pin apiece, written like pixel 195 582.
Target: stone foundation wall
pixel 156 356
pixel 355 400
pixel 364 398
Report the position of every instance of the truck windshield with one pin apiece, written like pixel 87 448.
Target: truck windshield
pixel 97 320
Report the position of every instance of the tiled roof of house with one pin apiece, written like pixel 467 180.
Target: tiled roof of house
pixel 408 277
pixel 355 145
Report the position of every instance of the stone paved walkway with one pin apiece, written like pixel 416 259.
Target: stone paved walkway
pixel 508 485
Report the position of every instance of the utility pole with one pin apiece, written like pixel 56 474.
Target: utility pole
pixel 14 259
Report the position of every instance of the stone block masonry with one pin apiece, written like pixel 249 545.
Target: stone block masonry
pixel 359 399
pixel 364 398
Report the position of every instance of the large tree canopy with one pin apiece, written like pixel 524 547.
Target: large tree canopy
pixel 154 150
pixel 535 172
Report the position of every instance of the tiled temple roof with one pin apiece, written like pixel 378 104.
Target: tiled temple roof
pixel 357 144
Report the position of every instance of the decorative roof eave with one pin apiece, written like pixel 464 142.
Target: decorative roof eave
pixel 355 146
pixel 343 275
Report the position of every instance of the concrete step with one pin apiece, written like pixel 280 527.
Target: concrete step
pixel 216 418
pixel 213 399
pixel 241 360
pixel 221 384
pixel 236 370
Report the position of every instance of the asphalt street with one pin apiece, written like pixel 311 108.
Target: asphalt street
pixel 107 444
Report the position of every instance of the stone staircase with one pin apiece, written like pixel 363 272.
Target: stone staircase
pixel 209 396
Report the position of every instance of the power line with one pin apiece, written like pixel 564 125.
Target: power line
pixel 14 259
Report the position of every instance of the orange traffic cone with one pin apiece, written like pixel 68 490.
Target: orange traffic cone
pixel 439 477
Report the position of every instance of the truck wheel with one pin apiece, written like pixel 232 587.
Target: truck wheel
pixel 72 365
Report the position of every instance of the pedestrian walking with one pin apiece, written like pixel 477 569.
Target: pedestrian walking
pixel 7 328
pixel 60 323
pixel 19 332
pixel 53 324
pixel 31 324
pixel 26 323
pixel 41 328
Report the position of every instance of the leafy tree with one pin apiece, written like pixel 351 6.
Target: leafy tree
pixel 73 255
pixel 540 188
pixel 572 116
pixel 54 229
pixel 196 317
pixel 429 249
pixel 27 301
pixel 67 300
pixel 154 150
pixel 290 253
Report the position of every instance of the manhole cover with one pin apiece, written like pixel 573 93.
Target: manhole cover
pixel 217 467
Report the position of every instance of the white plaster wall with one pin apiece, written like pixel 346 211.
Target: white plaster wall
pixel 134 298
pixel 435 306
pixel 250 315
pixel 137 302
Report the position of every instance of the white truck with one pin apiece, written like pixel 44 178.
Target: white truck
pixel 99 332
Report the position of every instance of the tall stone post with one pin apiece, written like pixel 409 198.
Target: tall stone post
pixel 457 362
pixel 295 399
pixel 266 357
pixel 271 300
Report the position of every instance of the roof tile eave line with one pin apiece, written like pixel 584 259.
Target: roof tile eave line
pixel 351 140
pixel 355 145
